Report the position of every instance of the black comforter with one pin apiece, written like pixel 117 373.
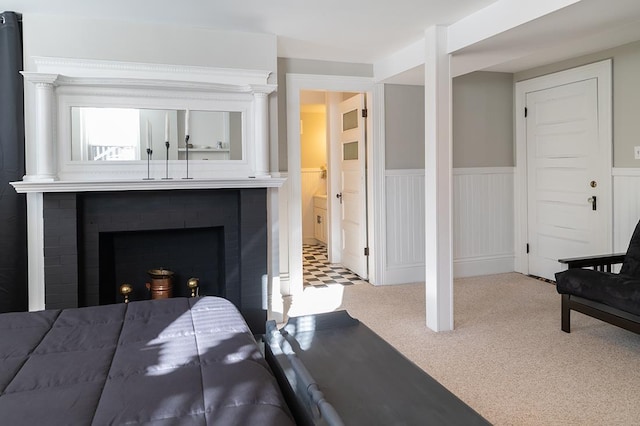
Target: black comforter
pixel 172 361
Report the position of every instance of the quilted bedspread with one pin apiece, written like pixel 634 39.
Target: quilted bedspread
pixel 171 361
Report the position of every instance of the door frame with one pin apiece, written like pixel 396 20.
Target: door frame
pixel 600 71
pixel 330 83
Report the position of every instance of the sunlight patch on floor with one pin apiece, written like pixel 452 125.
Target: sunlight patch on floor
pixel 318 300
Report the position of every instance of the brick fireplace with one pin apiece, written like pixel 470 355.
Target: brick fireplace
pixel 95 241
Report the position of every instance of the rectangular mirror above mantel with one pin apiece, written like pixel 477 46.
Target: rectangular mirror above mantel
pixel 122 121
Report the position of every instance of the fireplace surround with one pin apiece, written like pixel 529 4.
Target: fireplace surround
pixel 95 240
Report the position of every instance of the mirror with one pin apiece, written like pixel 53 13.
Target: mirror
pixel 124 134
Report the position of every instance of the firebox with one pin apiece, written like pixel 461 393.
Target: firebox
pixel 96 241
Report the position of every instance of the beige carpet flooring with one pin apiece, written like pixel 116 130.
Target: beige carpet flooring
pixel 508 358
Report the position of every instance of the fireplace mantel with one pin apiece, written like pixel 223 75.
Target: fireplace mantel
pixel 145 185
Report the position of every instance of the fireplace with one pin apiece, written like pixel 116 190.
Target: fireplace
pixel 96 241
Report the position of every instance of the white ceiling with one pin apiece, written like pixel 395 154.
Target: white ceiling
pixel 366 31
pixel 359 31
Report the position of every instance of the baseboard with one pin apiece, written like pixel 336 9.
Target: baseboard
pixel 404 275
pixel 476 266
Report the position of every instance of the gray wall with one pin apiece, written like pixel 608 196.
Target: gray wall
pixel 483 120
pixel 307 66
pixel 404 126
pixel 626 96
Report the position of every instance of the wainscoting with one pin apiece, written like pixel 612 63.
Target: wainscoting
pixel 404 249
pixel 626 206
pixel 483 220
pixel 482 223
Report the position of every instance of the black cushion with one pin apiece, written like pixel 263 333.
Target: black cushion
pixel 631 265
pixel 616 290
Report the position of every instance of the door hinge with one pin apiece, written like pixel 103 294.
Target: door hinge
pixel 527 248
pixel 366 251
pixel 526 112
pixel 365 113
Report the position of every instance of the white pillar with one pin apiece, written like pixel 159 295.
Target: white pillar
pixel 261 133
pixel 438 209
pixel 45 163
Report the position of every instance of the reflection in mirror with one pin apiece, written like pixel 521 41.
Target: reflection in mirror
pixel 124 134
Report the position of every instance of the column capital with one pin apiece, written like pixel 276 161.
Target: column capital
pixel 39 78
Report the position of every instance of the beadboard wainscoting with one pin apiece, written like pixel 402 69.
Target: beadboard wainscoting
pixel 312 183
pixel 405 221
pixel 626 205
pixel 482 223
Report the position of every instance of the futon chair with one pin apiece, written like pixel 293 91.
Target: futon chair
pixel 600 293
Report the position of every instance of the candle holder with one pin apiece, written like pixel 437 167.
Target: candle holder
pixel 166 162
pixel 186 142
pixel 149 153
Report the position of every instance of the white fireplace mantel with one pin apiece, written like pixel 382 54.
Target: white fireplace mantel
pixel 145 185
pixel 61 83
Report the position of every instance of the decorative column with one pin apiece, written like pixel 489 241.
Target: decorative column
pixel 45 160
pixel 261 132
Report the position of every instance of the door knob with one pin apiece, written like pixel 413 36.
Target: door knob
pixel 339 197
pixel 593 202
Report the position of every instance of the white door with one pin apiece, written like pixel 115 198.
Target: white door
pixel 566 174
pixel 353 219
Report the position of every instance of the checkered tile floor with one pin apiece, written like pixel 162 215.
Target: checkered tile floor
pixel 318 272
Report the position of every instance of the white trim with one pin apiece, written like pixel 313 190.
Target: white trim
pixel 483 171
pixel 377 190
pixel 482 265
pixel 91 68
pixel 602 72
pixel 296 83
pixel 625 171
pixel 35 251
pixel 404 172
pixel 144 185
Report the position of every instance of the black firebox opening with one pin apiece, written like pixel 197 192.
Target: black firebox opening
pixel 126 256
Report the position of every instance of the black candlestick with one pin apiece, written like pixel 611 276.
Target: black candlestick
pixel 186 142
pixel 166 163
pixel 149 153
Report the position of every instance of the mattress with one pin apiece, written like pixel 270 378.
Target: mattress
pixel 170 361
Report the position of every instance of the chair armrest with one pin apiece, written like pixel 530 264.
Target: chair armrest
pixel 600 263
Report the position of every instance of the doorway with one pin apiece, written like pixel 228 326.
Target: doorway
pixel 563 174
pixel 333 162
pixel 292 247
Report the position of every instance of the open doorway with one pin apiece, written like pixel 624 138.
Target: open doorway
pixel 333 187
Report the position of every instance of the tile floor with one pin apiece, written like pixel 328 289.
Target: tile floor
pixel 318 272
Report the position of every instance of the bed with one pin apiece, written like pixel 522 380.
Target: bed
pixel 170 361
pixel 195 361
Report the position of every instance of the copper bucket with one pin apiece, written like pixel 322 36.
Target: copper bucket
pixel 161 285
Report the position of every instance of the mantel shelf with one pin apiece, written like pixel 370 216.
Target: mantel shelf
pixel 146 185
pixel 203 150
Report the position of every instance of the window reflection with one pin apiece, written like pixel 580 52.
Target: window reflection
pixel 109 134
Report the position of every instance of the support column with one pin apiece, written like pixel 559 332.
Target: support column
pixel 261 133
pixel 44 140
pixel 438 164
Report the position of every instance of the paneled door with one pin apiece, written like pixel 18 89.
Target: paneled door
pixel 566 176
pixel 353 185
